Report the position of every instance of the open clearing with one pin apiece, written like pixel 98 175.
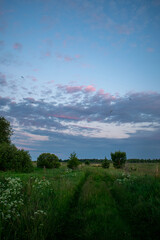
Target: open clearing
pixel 89 203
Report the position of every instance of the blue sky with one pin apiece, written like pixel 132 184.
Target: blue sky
pixel 81 76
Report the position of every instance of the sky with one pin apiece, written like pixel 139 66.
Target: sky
pixel 82 76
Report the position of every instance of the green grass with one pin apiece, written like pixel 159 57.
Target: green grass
pixel 89 203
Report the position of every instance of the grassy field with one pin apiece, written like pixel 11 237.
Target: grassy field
pixel 89 203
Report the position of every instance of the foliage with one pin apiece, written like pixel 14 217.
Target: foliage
pixel 11 199
pixel 87 162
pixel 50 204
pixel 5 131
pixel 73 161
pixel 118 159
pixel 48 160
pixel 105 163
pixel 12 158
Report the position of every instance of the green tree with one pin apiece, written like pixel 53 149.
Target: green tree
pixel 87 162
pixel 118 159
pixel 105 163
pixel 12 158
pixel 73 161
pixel 5 131
pixel 48 160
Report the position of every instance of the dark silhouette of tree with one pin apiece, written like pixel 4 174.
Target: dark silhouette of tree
pixel 5 131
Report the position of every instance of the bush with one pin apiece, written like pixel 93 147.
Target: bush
pixel 105 163
pixel 73 161
pixel 48 160
pixel 23 161
pixel 87 162
pixel 118 159
pixel 12 158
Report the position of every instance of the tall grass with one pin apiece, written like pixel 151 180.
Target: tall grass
pixel 138 200
pixel 89 203
pixel 45 199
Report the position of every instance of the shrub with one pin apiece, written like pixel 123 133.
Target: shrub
pixel 87 162
pixel 12 158
pixel 48 160
pixel 73 161
pixel 105 163
pixel 118 159
pixel 23 162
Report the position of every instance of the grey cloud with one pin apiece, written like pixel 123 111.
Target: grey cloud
pixel 37 117
pixel 135 108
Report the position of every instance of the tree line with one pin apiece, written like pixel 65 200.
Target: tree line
pixel 12 158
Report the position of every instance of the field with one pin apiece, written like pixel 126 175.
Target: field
pixel 88 203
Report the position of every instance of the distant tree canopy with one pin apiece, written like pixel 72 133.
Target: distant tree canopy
pixel 87 162
pixel 105 163
pixel 12 158
pixel 5 131
pixel 73 161
pixel 48 160
pixel 118 159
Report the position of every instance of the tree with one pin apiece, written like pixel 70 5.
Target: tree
pixel 12 158
pixel 73 161
pixel 48 160
pixel 105 163
pixel 118 159
pixel 87 162
pixel 5 131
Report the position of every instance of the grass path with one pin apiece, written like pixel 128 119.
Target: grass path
pixel 65 230
pixel 93 213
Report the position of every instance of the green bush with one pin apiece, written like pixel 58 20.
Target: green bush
pixel 118 159
pixel 23 161
pixel 87 162
pixel 48 160
pixel 73 161
pixel 12 158
pixel 105 163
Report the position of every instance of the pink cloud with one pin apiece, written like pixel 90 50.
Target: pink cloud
pixel 68 59
pixel 35 137
pixel 59 56
pixel 33 78
pixel 77 56
pixel 50 82
pixel 30 99
pixel 48 54
pixel 90 88
pixel 74 89
pixel 25 148
pixel 150 49
pixel 66 117
pixel 17 46
pixel 102 93
pixel 71 89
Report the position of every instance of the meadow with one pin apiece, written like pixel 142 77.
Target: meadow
pixel 87 203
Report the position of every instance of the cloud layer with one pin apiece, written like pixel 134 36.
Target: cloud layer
pixel 84 113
